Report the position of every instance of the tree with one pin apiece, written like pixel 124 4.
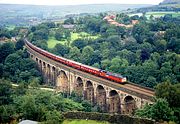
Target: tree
pixel 17 68
pixel 1 70
pixel 29 108
pixel 160 110
pixel 114 41
pixel 5 50
pixel 61 49
pixel 53 117
pixel 5 92
pixel 40 34
pixel 118 65
pixel 96 57
pixel 144 55
pixel 70 20
pixel 79 43
pixel 19 44
pixel 59 35
pixel 87 54
pixel 105 64
pixel 7 113
pixel 169 92
pixel 160 45
pixel 174 44
pixel 74 54
pixel 41 43
pixel 139 32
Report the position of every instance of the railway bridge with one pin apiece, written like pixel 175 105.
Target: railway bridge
pixel 110 96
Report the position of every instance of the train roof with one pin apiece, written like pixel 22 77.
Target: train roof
pixel 74 62
pixel 114 74
pixel 90 67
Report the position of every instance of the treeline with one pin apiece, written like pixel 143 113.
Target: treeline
pixel 146 54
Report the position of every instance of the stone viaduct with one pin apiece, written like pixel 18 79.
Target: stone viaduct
pixel 109 96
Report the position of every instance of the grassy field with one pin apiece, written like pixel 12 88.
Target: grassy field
pixel 52 41
pixel 157 14
pixel 75 121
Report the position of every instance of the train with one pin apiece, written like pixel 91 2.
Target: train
pixel 85 68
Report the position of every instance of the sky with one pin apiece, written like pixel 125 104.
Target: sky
pixel 77 2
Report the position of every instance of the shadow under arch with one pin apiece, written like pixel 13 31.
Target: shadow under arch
pixel 89 92
pixel 114 102
pixel 101 97
pixel 78 88
pixel 62 82
pixel 129 104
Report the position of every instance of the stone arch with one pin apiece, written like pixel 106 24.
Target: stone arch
pixel 52 75
pixel 89 92
pixel 79 86
pixel 101 97
pixel 40 65
pixel 48 72
pixel 130 104
pixel 31 56
pixel 62 82
pixel 114 102
pixel 44 71
pixel 37 60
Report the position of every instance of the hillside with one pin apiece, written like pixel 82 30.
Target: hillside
pixel 170 2
pixel 25 15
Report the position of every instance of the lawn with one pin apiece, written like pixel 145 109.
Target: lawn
pixel 52 41
pixel 76 121
pixel 159 14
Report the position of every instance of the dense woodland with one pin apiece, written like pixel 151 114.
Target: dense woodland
pixel 147 54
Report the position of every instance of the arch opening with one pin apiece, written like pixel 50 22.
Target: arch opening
pixel 79 86
pixel 101 98
pixel 62 82
pixel 114 102
pixel 130 104
pixel 36 59
pixel 89 92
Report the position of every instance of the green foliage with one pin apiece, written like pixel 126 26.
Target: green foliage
pixel 160 110
pixel 22 69
pixel 7 113
pixel 5 50
pixel 118 65
pixel 5 92
pixel 60 49
pixel 53 117
pixel 139 32
pixel 19 44
pixel 79 43
pixel 87 54
pixel 169 92
pixel 69 21
pixel 74 54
